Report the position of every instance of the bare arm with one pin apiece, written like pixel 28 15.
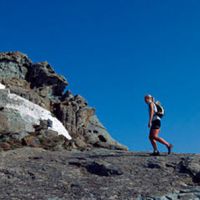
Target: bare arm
pixel 151 114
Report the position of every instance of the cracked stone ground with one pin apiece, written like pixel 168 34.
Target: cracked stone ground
pixel 33 173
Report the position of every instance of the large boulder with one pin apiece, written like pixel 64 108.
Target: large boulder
pixel 83 124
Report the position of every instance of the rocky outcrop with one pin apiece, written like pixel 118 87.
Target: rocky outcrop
pixel 41 85
pixel 42 75
pixel 98 174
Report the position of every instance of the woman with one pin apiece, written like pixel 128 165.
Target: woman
pixel 154 125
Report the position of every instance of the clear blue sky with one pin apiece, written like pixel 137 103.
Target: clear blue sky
pixel 115 51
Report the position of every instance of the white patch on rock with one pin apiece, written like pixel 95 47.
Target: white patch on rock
pixel 2 87
pixel 33 113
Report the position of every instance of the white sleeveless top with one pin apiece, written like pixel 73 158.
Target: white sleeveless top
pixel 155 117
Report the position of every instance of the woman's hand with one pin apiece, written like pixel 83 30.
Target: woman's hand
pixel 149 124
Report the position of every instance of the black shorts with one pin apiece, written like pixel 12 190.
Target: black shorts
pixel 156 124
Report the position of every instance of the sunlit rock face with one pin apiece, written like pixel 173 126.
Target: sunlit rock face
pixel 40 84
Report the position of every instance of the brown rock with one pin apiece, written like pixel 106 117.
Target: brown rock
pixel 5 146
pixel 31 141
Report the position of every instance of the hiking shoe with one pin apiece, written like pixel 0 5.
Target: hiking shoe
pixel 155 153
pixel 170 147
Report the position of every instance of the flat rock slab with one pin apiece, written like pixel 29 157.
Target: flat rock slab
pixel 34 173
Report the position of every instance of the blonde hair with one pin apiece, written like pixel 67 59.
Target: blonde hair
pixel 151 97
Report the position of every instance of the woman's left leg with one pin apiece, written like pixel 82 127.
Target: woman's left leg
pixel 154 134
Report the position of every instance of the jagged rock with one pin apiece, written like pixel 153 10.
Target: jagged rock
pixel 42 75
pixel 65 113
pixel 97 135
pixel 38 83
pixel 67 96
pixel 83 124
pixel 13 65
pixel 80 101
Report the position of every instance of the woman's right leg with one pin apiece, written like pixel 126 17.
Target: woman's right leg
pixel 153 136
